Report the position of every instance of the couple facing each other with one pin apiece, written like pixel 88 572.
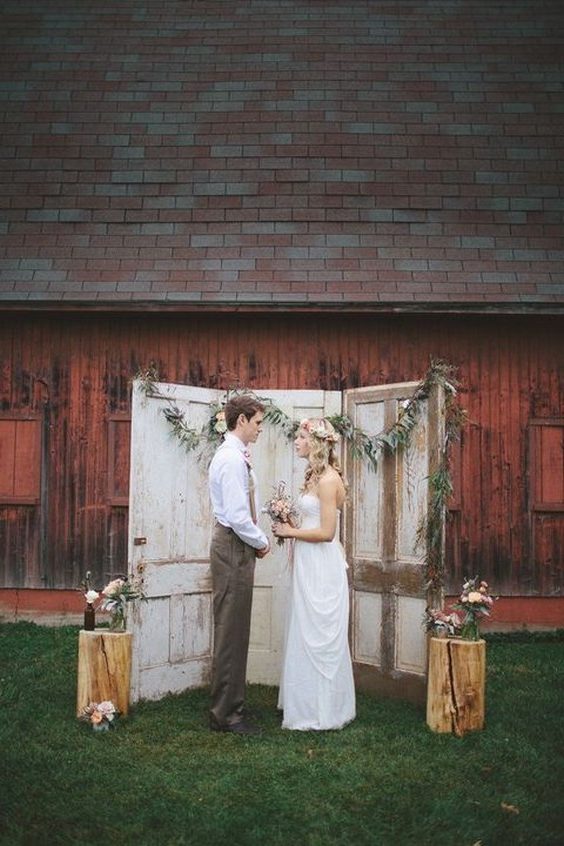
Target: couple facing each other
pixel 316 686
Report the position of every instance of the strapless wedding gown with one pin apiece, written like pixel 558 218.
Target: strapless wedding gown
pixel 317 686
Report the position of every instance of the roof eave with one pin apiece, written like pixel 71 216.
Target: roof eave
pixel 268 306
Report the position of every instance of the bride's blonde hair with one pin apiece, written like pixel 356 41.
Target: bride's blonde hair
pixel 323 438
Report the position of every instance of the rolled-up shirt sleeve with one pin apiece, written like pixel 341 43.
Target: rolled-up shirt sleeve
pixel 229 486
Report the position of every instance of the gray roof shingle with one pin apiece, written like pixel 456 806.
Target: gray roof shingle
pixel 375 155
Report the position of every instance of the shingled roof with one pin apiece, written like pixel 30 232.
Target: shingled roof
pixel 294 154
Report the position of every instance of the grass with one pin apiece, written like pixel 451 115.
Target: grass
pixel 386 780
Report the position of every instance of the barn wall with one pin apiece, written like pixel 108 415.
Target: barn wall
pixel 65 387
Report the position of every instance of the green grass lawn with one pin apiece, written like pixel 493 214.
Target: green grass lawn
pixel 163 778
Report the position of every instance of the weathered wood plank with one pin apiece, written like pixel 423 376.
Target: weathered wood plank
pixel 456 685
pixel 104 669
pixel 77 370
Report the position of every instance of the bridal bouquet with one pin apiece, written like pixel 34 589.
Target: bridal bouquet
pixel 281 508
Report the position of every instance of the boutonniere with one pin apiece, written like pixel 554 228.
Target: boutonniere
pixel 247 457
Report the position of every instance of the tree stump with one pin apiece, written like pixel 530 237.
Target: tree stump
pixel 104 669
pixel 456 685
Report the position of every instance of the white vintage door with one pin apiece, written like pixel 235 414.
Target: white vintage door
pixel 169 534
pixel 388 641
pixel 170 524
pixel 274 459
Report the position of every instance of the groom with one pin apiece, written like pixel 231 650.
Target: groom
pixel 236 542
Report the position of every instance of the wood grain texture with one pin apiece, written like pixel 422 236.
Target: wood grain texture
pixel 456 685
pixel 74 372
pixel 104 669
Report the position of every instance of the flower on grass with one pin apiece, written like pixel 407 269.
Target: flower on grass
pixel 100 715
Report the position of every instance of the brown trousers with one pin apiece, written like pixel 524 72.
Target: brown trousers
pixel 232 570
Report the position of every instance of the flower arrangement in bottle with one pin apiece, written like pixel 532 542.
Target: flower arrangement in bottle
pixel 475 601
pixel 90 596
pixel 116 595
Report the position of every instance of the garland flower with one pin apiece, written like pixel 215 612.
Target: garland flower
pixel 362 445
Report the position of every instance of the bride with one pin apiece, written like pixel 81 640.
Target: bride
pixel 317 687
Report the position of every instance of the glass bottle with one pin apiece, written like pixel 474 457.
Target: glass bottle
pixel 89 618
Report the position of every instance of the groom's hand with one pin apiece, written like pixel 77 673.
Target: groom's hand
pixel 260 553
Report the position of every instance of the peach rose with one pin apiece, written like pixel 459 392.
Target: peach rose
pixel 113 587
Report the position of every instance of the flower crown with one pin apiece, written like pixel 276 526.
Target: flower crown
pixel 319 431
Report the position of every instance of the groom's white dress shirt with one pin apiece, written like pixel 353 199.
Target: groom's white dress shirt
pixel 229 491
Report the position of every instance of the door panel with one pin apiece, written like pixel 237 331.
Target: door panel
pixel 388 596
pixel 274 459
pixel 170 516
pixel 169 537
pixel 171 525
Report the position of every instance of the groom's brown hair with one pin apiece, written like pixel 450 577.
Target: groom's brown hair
pixel 246 404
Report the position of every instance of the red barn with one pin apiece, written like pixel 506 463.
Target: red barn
pixel 284 196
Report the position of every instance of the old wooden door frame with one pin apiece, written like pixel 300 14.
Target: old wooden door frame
pixel 387 583
pixel 388 678
pixel 184 593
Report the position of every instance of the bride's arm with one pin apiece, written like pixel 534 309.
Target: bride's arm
pixel 327 493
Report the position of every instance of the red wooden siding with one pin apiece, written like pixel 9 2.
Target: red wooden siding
pixel 74 372
pixel 20 462
pixel 547 505
pixel 547 465
pixel 119 429
pixel 20 495
pixel 118 459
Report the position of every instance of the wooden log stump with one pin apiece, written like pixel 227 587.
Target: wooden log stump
pixel 104 669
pixel 456 685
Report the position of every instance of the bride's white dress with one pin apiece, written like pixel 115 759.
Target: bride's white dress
pixel 317 686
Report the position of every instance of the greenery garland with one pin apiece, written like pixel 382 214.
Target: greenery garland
pixel 431 528
pixel 362 446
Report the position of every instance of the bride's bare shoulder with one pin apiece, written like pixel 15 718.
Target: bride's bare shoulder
pixel 329 476
pixel 330 480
